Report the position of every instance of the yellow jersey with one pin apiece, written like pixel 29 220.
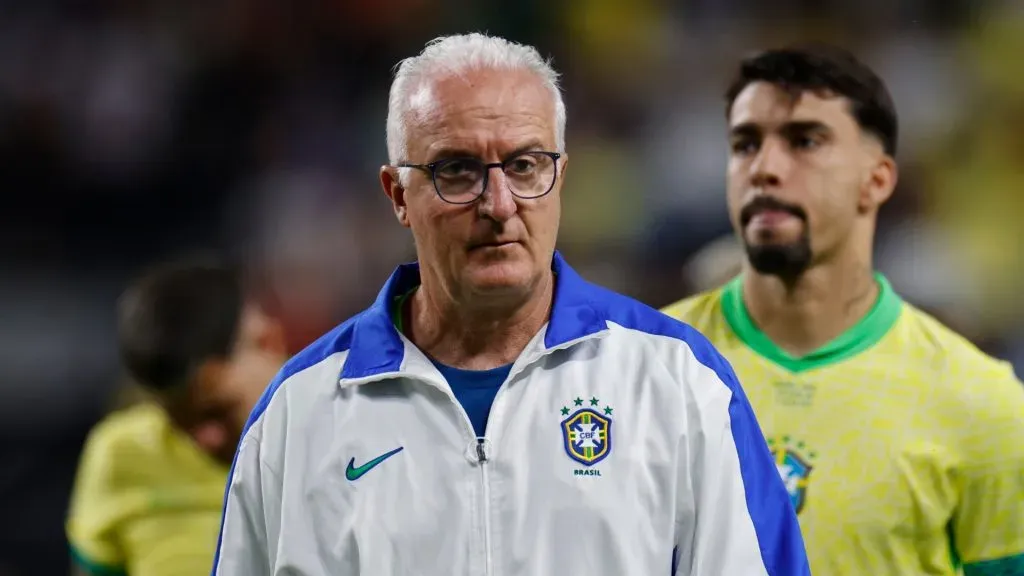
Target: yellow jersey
pixel 146 501
pixel 901 444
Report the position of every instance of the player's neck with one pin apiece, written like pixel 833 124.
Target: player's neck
pixel 804 315
pixel 477 336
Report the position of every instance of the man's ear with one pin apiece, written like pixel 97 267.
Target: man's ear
pixel 393 189
pixel 880 184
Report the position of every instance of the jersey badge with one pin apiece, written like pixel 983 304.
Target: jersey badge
pixel 794 462
pixel 587 433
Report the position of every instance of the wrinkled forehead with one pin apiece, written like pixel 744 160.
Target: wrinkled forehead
pixel 769 107
pixel 479 112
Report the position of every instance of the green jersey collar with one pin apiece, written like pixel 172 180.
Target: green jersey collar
pixel 863 335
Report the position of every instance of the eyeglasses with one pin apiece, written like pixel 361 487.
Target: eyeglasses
pixel 463 180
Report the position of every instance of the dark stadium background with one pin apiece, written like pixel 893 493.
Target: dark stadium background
pixel 133 130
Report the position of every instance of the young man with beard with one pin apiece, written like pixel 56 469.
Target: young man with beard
pixel 899 441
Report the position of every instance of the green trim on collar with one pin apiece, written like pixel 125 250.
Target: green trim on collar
pixel 863 335
pixel 398 308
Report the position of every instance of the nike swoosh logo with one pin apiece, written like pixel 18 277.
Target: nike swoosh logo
pixel 353 472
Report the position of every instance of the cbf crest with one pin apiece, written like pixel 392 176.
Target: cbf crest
pixel 587 433
pixel 794 463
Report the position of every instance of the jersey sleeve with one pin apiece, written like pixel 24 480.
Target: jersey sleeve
pixel 742 520
pixel 96 509
pixel 183 547
pixel 988 524
pixel 242 546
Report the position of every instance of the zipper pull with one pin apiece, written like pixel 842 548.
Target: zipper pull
pixel 481 452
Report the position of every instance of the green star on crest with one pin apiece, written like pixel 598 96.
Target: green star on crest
pixel 578 401
pixel 565 411
pixel 593 401
pixel 608 410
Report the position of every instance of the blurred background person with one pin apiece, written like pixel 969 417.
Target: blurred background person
pixel 131 131
pixel 853 386
pixel 147 499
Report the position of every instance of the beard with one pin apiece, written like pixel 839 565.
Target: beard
pixel 786 260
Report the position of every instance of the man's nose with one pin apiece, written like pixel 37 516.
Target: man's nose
pixel 771 166
pixel 497 201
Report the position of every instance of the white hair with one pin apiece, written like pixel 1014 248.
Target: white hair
pixel 454 55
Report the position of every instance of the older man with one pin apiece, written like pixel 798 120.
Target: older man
pixel 492 412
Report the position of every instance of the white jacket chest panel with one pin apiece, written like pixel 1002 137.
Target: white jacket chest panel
pixel 432 508
pixel 556 514
pixel 414 511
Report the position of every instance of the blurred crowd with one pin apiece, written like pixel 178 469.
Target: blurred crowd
pixel 135 130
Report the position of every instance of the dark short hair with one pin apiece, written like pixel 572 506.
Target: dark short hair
pixel 175 317
pixel 824 68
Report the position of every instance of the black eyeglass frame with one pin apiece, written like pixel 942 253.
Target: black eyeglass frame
pixel 432 168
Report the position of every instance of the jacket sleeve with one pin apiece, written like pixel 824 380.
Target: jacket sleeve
pixel 740 519
pixel 242 546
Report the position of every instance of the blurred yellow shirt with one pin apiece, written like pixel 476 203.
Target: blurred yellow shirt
pixel 901 444
pixel 146 501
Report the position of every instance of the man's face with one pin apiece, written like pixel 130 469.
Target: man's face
pixel 797 171
pixel 213 409
pixel 500 245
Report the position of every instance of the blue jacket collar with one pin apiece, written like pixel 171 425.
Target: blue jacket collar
pixel 377 348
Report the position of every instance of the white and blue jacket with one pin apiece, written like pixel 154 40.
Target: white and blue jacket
pixel 620 444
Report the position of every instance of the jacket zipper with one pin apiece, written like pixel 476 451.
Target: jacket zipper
pixel 481 448
pixel 481 460
pixel 481 453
